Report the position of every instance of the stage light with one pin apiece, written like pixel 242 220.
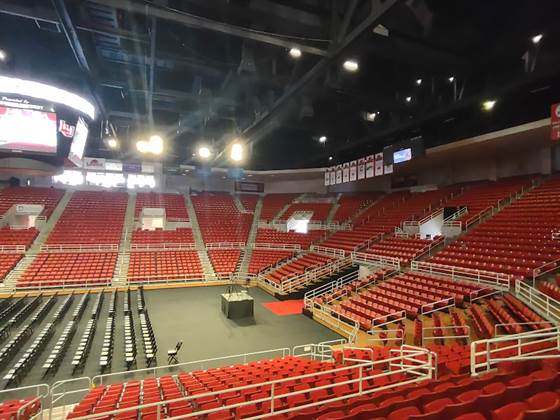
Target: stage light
pixel 536 39
pixel 322 139
pixel 488 105
pixel 156 145
pixel 295 52
pixel 204 152
pixel 142 146
pixel 330 157
pixel 418 82
pixel 3 55
pixel 112 143
pixel 451 79
pixel 408 99
pixel 351 65
pixel 236 152
pixel 371 116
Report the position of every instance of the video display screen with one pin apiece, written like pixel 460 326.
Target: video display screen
pixel 402 155
pixel 27 130
pixel 79 142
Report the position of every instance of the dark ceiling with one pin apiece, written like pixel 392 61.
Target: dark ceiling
pixel 212 70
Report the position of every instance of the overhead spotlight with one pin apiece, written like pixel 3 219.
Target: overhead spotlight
pixel 408 99
pixel 322 139
pixel 536 39
pixel 156 145
pixel 330 157
pixel 236 152
pixel 295 52
pixel 112 143
pixel 204 152
pixel 370 116
pixel 142 146
pixel 451 79
pixel 418 82
pixel 488 105
pixel 351 65
pixel 3 55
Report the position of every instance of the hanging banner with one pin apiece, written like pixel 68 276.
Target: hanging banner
pixel 361 168
pixel 388 169
pixel 378 164
pixel 369 167
pixel 555 122
pixel 353 170
pixel 339 174
pixel 333 176
pixel 346 172
pixel 327 176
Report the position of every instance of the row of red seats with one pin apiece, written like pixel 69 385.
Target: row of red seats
pixel 350 204
pixel 224 261
pixel 272 236
pixel 159 236
pixel 249 201
pixel 263 259
pixel 297 266
pixel 319 211
pixel 405 249
pixel 47 197
pixel 154 266
pixel 349 288
pixel 483 326
pixel 523 312
pixel 24 237
pixel 273 203
pixel 550 289
pixel 174 204
pixel 10 409
pixel 7 262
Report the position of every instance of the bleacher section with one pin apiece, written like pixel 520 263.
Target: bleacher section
pixel 320 211
pixel 8 261
pixel 174 205
pixel 249 201
pixel 272 236
pixel 273 203
pixel 10 237
pixel 219 219
pixel 159 236
pixel 162 266
pixel 48 197
pixel 403 248
pixel 297 266
pixel 349 204
pixel 516 240
pixel 262 259
pixel 91 217
pixel 224 261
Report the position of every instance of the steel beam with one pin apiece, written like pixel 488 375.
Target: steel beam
pixel 199 22
pixel 346 21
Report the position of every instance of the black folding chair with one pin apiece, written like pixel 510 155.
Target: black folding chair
pixel 172 354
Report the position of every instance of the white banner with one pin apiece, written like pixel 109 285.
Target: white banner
pixel 388 169
pixel 378 164
pixel 327 177
pixel 369 167
pixel 94 163
pixel 339 174
pixel 361 168
pixel 333 177
pixel 353 169
pixel 345 172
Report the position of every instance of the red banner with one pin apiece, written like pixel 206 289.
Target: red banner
pixel 555 122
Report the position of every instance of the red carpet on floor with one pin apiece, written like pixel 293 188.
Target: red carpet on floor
pixel 285 307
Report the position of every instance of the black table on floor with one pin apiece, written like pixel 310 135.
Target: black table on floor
pixel 237 305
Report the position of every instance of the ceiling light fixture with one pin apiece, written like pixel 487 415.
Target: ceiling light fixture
pixel 330 157
pixel 451 79
pixel 3 55
pixel 351 65
pixel 488 105
pixel 322 139
pixel 371 116
pixel 536 39
pixel 408 99
pixel 236 152
pixel 142 146
pixel 204 152
pixel 112 143
pixel 156 145
pixel 418 82
pixel 295 52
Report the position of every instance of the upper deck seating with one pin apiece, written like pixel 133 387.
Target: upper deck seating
pixel 349 204
pixel 405 249
pixel 261 259
pixel 249 201
pixel 273 203
pixel 7 262
pixel 174 204
pixel 320 210
pixel 158 236
pixel 297 266
pixel 272 236
pixel 48 197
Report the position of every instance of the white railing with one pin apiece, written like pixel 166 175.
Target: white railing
pixel 533 345
pixel 280 247
pixel 499 281
pixel 416 364
pixel 504 326
pixel 177 278
pixel 545 268
pixel 37 394
pixel 477 218
pixel 66 284
pixel 387 319
pixel 427 250
pixel 163 246
pixel 439 305
pixel 331 252
pixel 426 219
pixel 456 215
pixel 328 288
pixel 341 324
pixel 381 261
pixel 67 391
pixel 544 305
pixel 445 336
pixel 11 249
pixel 225 245
pixel 293 283
pixel 80 248
pixel 282 226
pixel 379 341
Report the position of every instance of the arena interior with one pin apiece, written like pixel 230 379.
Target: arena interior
pixel 252 209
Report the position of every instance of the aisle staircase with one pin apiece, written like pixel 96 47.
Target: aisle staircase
pixel 239 204
pixel 332 211
pixel 121 271
pixel 244 266
pixel 285 208
pixel 12 278
pixel 207 267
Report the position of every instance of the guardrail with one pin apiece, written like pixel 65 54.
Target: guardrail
pixel 428 308
pixel 376 260
pixel 37 394
pixel 11 249
pixel 456 215
pixel 426 219
pixel 546 306
pixel 478 217
pixel 67 388
pixel 80 248
pixel 291 284
pixel 331 252
pixel 555 236
pixel 427 250
pixel 390 318
pixel 504 326
pixel 287 247
pixel 162 246
pixel 443 336
pixel 496 280
pixel 66 284
pixel 330 287
pixel 336 321
pixel 533 345
pixel 225 245
pixel 545 268
pixel 398 341
pixel 415 364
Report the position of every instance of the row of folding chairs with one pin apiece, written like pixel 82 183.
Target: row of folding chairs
pixel 80 307
pixel 62 309
pixel 108 339
pixel 43 310
pixel 129 336
pixel 12 307
pixel 82 352
pixel 112 303
pixel 141 302
pixel 127 302
pixel 23 312
pixel 59 350
pixel 24 364
pixel 97 306
pixel 148 338
pixel 12 346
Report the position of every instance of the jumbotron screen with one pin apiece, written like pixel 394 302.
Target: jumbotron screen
pixel 27 130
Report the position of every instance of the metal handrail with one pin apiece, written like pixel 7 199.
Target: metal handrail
pixel 41 393
pixel 540 302
pixel 366 258
pixel 454 328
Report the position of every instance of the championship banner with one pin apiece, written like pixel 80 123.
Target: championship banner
pixel 333 176
pixel 361 168
pixel 388 169
pixel 327 177
pixel 555 122
pixel 369 167
pixel 346 172
pixel 378 164
pixel 339 174
pixel 353 169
